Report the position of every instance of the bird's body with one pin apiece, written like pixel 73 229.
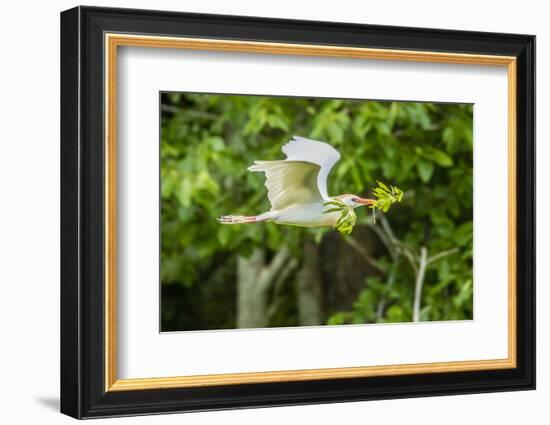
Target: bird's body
pixel 297 187
pixel 306 215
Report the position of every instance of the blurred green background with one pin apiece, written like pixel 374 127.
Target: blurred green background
pixel 413 264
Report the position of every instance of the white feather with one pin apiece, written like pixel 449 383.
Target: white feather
pixel 289 182
pixel 313 151
pixel 302 177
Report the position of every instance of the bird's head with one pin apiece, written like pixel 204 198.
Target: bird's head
pixel 354 200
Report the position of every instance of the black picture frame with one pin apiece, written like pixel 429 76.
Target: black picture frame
pixel 83 392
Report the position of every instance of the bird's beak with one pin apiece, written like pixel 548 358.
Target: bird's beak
pixel 365 201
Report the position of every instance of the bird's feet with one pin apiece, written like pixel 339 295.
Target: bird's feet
pixel 236 219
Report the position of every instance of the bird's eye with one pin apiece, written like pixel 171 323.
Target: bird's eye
pixel 354 199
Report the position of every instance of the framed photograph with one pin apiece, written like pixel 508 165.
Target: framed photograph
pixel 261 212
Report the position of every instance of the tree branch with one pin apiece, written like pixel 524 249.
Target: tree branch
pixel 408 254
pixel 387 228
pixel 279 260
pixel 441 255
pixel 423 262
pixel 278 285
pixel 419 264
pixel 383 238
pixel 391 280
pixel 269 272
pixel 363 252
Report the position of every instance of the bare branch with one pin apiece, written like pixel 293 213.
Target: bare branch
pixel 269 273
pixel 403 249
pixel 278 285
pixel 386 235
pixel 383 238
pixel 363 252
pixel 394 246
pixel 279 260
pixel 419 283
pixel 391 280
pixel 442 254
pixel 289 268
pixel 387 228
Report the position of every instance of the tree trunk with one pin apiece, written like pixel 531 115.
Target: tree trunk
pixel 309 286
pixel 251 298
pixel 255 278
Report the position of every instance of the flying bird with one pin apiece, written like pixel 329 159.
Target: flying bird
pixel 297 187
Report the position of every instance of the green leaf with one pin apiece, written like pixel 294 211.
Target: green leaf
pixel 464 233
pixel 337 319
pixel 382 185
pixel 395 314
pixel 184 192
pixel 275 121
pixel 439 157
pixel 216 143
pixel 224 234
pixel 346 220
pixel 387 196
pixel 425 170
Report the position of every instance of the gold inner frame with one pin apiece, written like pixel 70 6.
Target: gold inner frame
pixel 113 41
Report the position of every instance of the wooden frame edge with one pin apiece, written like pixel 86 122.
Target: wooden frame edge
pixel 114 40
pixel 110 213
pixel 512 212
pixel 136 384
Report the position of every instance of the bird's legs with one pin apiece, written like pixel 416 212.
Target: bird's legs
pixel 236 219
pixel 243 219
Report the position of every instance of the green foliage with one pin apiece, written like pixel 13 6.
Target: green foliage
pixel 386 197
pixel 207 143
pixel 347 218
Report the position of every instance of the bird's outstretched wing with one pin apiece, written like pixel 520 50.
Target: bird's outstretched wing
pixel 313 151
pixel 302 176
pixel 289 182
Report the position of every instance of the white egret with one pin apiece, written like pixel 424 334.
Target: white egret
pixel 297 187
